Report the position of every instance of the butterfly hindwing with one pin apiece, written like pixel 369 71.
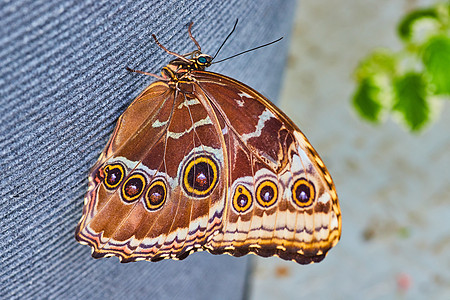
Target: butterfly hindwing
pixel 269 156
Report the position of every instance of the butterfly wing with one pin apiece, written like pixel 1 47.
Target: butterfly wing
pixel 155 191
pixel 281 198
pixel 210 164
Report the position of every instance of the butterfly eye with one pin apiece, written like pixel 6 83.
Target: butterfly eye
pixel 267 193
pixel 242 199
pixel 113 175
pixel 303 192
pixel 202 60
pixel 200 177
pixel 133 187
pixel 156 195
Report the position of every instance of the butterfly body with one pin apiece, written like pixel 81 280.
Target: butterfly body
pixel 200 161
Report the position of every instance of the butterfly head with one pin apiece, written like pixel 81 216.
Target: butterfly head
pixel 180 66
pixel 201 61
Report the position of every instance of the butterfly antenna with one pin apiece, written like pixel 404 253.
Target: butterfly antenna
pixel 248 50
pixel 171 52
pixel 146 73
pixel 192 38
pixel 234 27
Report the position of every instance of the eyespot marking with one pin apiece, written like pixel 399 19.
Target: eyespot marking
pixel 267 193
pixel 113 176
pixel 303 192
pixel 156 195
pixel 242 199
pixel 200 176
pixel 133 187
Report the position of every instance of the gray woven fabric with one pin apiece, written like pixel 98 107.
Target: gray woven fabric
pixel 63 85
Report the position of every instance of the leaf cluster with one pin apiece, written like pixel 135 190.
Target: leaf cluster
pixel 408 83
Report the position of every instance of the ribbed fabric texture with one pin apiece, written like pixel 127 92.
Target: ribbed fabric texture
pixel 63 84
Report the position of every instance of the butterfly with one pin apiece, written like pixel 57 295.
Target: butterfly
pixel 200 161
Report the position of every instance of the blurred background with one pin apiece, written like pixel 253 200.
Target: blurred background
pixel 63 84
pixel 393 185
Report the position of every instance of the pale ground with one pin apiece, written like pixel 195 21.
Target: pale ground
pixel 393 186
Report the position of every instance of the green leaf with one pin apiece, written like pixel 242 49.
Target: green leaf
pixel 371 98
pixel 374 93
pixel 407 28
pixel 411 104
pixel 436 58
pixel 379 62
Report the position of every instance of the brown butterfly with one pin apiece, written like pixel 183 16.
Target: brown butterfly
pixel 200 161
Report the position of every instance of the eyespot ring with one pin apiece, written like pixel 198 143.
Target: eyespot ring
pixel 114 175
pixel 200 176
pixel 242 199
pixel 133 187
pixel 303 192
pixel 156 195
pixel 267 193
